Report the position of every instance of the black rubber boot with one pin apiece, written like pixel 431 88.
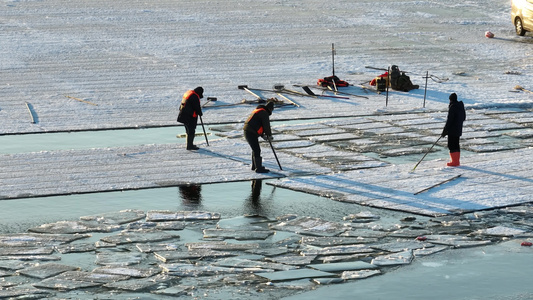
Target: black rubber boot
pixel 259 165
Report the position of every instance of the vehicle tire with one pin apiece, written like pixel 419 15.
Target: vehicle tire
pixel 519 27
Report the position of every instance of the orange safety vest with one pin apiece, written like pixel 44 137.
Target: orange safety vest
pixel 186 97
pixel 260 130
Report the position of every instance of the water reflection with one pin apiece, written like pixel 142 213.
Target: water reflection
pixel 191 195
pixel 254 200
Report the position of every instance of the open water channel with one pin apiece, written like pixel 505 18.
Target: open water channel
pixel 501 271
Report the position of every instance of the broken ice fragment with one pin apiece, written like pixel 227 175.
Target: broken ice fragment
pixel 166 215
pixel 501 231
pixel 237 234
pixel 139 237
pixel 75 248
pixel 64 284
pixel 343 266
pixel 69 227
pixel 118 259
pixel 400 258
pixel 127 271
pixel 310 226
pixel 335 241
pixel 121 217
pixel 222 246
pixel 294 274
pixel 364 216
pixel 46 270
pixel 169 256
pixel 361 274
pixel 246 263
pixel 26 251
pixel 292 259
pixel 34 239
pixel 139 284
pixel 347 249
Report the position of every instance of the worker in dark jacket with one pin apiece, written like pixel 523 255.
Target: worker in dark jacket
pixel 454 128
pixel 258 125
pixel 190 110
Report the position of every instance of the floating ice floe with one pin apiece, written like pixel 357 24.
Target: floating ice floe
pixel 400 258
pixel 46 270
pixel 336 250
pixel 75 248
pixel 149 247
pixel 325 241
pixel 246 263
pixel 166 215
pixel 360 274
pixel 221 246
pixel 456 241
pixel 501 231
pixel 143 236
pixel 24 292
pixel 294 274
pixel 401 246
pixel 121 217
pixel 190 270
pixel 237 234
pixel 362 217
pixel 69 227
pixel 311 226
pixel 139 284
pixel 292 259
pixel 118 259
pixel 343 266
pixel 127 271
pixel 170 256
pixel 33 239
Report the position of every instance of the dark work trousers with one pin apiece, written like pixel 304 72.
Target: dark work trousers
pixel 253 141
pixel 190 129
pixel 453 143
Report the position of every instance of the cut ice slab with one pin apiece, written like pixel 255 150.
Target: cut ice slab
pixel 118 258
pixel 71 227
pixel 343 266
pixel 120 217
pixel 143 236
pixel 237 234
pixel 33 239
pixel 456 241
pixel 244 222
pixel 400 258
pixel 294 274
pixel 246 263
pixel 166 215
pixel 311 226
pixel 126 271
pixel 360 274
pixel 139 284
pixel 46 270
pixel 169 256
pixel 501 231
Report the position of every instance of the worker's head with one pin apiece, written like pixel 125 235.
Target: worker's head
pixel 453 97
pixel 200 91
pixel 270 106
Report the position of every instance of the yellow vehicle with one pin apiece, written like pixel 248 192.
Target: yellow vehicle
pixel 522 15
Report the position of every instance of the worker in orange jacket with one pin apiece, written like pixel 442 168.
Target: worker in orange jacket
pixel 258 125
pixel 190 110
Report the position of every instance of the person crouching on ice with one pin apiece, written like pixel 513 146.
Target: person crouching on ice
pixel 190 109
pixel 258 125
pixel 454 128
